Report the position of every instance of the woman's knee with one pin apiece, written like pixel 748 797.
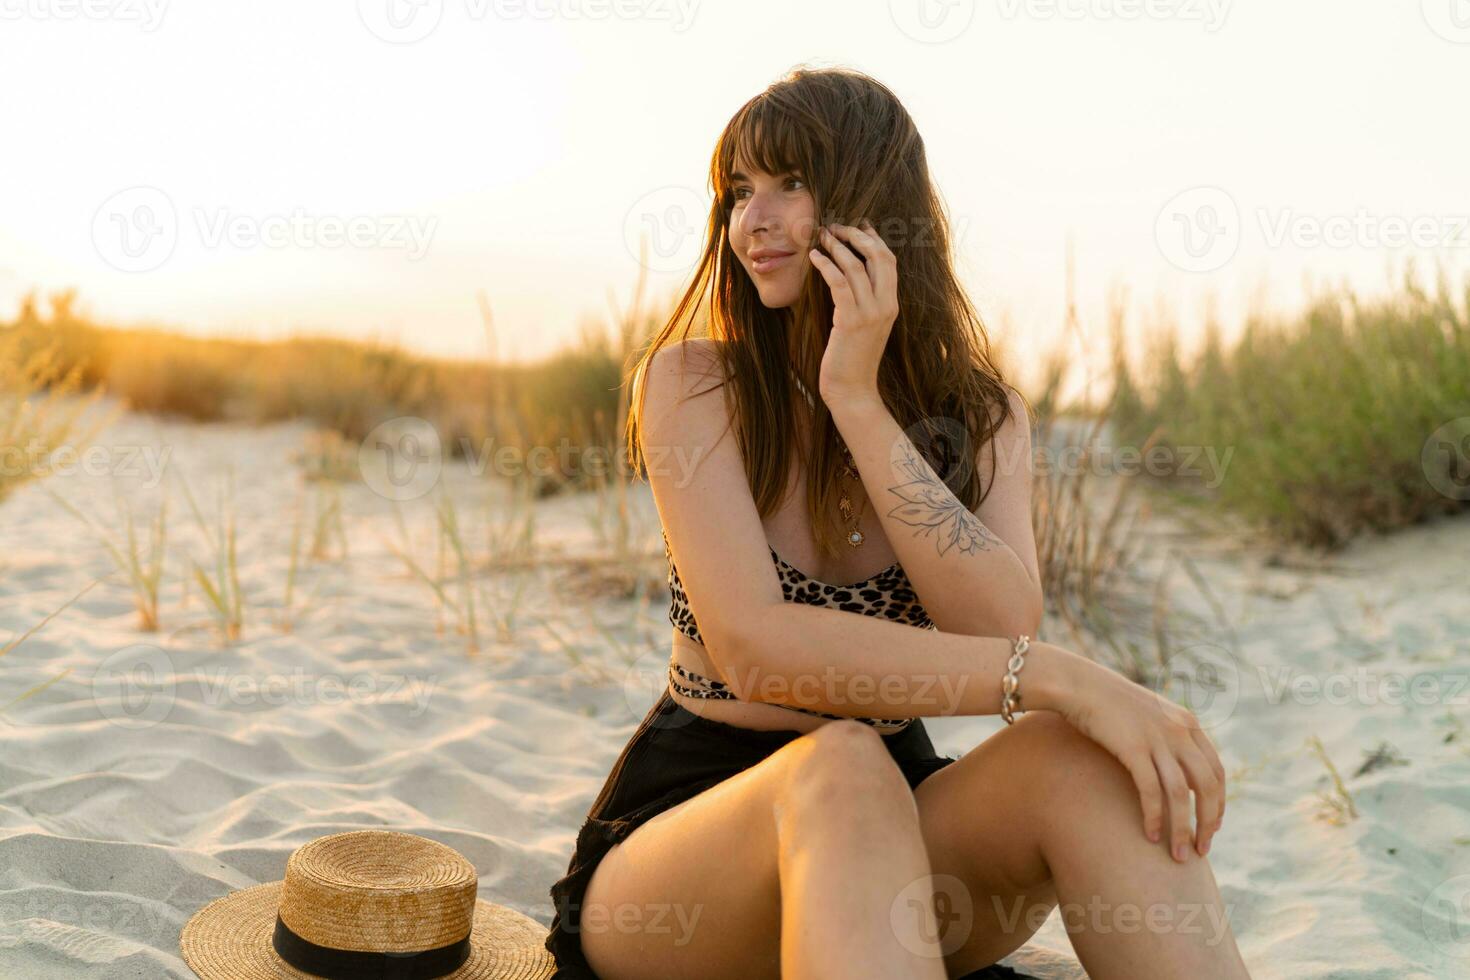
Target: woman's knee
pixel 844 770
pixel 1065 764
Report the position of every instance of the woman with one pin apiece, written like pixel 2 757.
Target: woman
pixel 781 811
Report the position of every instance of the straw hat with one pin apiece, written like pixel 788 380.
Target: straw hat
pixel 366 904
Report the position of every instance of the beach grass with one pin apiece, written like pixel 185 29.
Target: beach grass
pixel 12 644
pixel 219 578
pixel 141 566
pixel 40 410
pixel 1352 416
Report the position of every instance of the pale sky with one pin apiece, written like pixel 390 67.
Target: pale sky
pixel 188 164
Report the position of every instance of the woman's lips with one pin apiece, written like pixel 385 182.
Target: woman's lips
pixel 769 262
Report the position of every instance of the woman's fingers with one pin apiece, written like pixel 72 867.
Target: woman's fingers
pixel 1207 795
pixel 857 274
pixel 1212 757
pixel 1211 761
pixel 841 292
pixel 1140 766
pixel 880 265
pixel 1176 794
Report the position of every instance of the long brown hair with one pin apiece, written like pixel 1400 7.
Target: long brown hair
pixel 860 154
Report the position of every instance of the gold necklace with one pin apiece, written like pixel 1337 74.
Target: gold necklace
pixel 844 504
pixel 854 536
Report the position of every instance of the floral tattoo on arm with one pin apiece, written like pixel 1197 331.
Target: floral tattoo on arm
pixel 929 505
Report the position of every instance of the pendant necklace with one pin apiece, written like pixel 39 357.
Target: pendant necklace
pixel 849 467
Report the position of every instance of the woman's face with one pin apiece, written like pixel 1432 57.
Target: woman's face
pixel 772 226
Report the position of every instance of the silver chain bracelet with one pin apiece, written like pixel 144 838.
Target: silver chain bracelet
pixel 1009 699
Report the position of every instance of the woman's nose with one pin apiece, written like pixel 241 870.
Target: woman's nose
pixel 755 216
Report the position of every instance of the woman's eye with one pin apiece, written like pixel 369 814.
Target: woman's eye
pixel 739 193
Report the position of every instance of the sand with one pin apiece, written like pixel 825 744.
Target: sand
pixel 129 799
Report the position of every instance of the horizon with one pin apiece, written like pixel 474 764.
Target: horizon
pixel 338 173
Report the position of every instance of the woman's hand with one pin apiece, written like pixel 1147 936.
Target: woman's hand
pixel 1162 746
pixel 865 300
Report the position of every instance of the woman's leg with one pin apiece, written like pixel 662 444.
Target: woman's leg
pixel 1039 814
pixel 851 857
pixel 788 869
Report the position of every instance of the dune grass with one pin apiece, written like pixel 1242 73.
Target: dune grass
pixel 42 409
pixel 1329 413
pixel 12 644
pixel 142 567
pixel 346 386
pixel 219 579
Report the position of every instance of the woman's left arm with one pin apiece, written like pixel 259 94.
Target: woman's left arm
pixel 975 572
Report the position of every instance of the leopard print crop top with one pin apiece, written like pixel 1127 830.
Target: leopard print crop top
pixel 888 594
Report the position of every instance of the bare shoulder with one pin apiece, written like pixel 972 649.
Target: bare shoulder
pixel 677 375
pixel 1012 438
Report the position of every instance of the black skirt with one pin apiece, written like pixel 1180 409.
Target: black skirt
pixel 673 756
